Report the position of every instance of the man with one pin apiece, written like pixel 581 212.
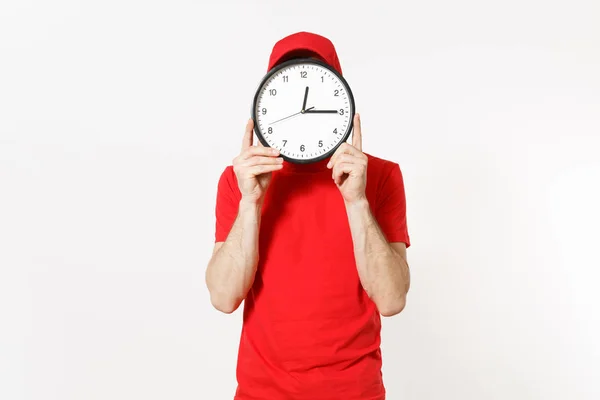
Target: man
pixel 318 252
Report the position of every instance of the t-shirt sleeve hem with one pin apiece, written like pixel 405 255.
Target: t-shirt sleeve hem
pixel 398 237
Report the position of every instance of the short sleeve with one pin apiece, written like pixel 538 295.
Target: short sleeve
pixel 390 210
pixel 227 204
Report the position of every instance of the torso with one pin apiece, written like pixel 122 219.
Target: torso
pixel 309 327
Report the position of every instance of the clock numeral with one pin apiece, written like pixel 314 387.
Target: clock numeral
pixel 284 142
pixel 341 111
pixel 335 131
pixel 302 147
pixel 285 78
pixel 336 92
pixel 322 79
pixel 320 143
pixel 264 111
pixel 273 92
pixel 270 130
pixel 302 74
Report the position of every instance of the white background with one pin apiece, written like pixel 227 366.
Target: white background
pixel 117 117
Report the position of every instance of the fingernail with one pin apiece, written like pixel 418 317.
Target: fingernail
pixel 274 150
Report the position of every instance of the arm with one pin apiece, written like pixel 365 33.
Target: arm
pixel 382 266
pixel 232 267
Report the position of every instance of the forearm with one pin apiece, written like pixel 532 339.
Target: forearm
pixel 231 270
pixel 383 272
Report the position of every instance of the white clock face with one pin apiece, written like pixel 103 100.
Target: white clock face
pixel 305 110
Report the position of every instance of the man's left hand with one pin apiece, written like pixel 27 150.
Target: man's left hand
pixel 349 167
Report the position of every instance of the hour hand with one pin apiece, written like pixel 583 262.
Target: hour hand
pixel 313 111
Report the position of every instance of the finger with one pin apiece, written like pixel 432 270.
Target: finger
pixel 248 135
pixel 261 160
pixel 340 169
pixel 357 133
pixel 259 151
pixel 348 158
pixel 263 169
pixel 344 148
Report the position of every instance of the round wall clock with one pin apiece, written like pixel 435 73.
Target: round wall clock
pixel 304 108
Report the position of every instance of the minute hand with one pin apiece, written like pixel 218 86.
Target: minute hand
pixel 321 111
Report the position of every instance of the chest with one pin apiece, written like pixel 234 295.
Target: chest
pixel 304 227
pixel 306 252
pixel 303 215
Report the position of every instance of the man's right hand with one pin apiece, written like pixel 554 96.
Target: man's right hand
pixel 254 165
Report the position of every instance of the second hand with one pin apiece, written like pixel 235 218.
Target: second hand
pixel 290 116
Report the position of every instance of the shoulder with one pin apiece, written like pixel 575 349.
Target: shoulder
pixel 228 180
pixel 380 167
pixel 227 174
pixel 383 176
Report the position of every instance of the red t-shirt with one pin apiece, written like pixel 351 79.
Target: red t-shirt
pixel 309 329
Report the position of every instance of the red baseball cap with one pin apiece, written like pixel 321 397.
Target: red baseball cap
pixel 301 44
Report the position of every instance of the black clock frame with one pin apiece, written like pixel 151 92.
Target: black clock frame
pixel 278 68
